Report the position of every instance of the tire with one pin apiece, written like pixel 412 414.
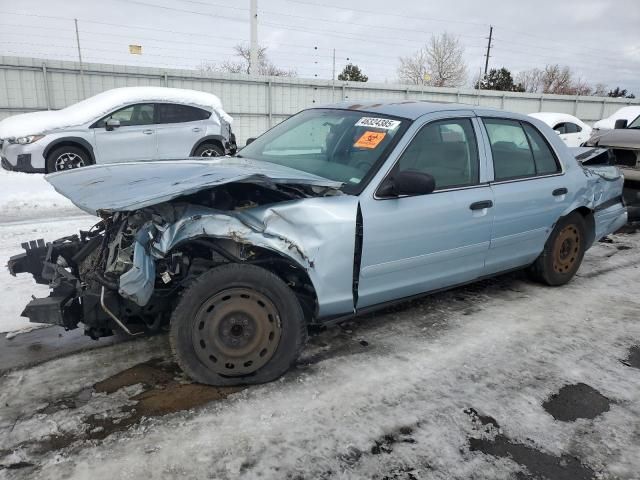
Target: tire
pixel 237 325
pixel 68 157
pixel 209 150
pixel 563 252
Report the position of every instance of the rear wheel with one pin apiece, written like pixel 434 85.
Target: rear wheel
pixel 563 252
pixel 237 324
pixel 67 158
pixel 209 150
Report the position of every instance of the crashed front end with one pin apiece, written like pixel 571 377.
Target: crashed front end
pixel 126 272
pixel 83 273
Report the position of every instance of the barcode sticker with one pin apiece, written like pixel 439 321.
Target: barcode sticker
pixel 384 123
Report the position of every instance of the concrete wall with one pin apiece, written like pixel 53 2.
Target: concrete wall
pixel 256 103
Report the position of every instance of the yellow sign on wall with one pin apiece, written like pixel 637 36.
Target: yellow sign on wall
pixel 135 49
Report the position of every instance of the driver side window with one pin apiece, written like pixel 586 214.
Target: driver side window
pixel 447 150
pixel 139 114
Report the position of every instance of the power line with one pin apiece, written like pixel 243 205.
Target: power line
pixel 350 23
pixel 388 14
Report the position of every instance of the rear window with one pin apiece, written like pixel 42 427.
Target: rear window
pixel 174 113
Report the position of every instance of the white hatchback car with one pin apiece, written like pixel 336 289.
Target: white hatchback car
pixel 119 125
pixel 573 131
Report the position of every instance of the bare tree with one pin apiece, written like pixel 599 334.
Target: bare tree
pixel 414 69
pixel 531 80
pixel 600 90
pixel 440 63
pixel 580 87
pixel 265 66
pixel 557 79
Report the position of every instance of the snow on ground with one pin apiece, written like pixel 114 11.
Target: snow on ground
pixel 29 209
pixel 501 347
pixel 17 291
pixel 28 195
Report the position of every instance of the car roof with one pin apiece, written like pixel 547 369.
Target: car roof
pixel 410 109
pixel 552 118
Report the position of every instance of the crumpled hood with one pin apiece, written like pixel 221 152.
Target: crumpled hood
pixel 134 185
pixel 621 138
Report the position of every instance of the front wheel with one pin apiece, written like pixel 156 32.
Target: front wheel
pixel 563 252
pixel 67 158
pixel 237 324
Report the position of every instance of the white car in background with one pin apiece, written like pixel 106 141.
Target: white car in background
pixel 119 125
pixel 625 113
pixel 572 131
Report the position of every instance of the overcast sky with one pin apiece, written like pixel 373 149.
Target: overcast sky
pixel 600 40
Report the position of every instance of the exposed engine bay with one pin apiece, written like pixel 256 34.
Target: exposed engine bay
pixel 117 276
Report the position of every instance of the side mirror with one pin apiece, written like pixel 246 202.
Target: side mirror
pixel 620 124
pixel 249 140
pixel 407 183
pixel 111 124
pixel 558 132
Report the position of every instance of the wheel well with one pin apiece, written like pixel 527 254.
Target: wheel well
pixel 228 251
pixel 209 141
pixel 590 224
pixel 70 143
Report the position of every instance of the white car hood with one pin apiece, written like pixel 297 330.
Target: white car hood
pixel 134 185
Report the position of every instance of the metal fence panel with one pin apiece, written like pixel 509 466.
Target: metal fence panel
pixel 256 103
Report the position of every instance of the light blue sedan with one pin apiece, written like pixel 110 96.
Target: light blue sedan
pixel 335 212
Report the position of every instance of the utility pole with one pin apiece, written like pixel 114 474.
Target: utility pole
pixel 486 60
pixel 84 95
pixel 333 76
pixel 253 54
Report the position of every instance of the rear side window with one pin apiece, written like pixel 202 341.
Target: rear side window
pixel 174 113
pixel 567 127
pixel 446 150
pixel 573 128
pixel 544 158
pixel 518 150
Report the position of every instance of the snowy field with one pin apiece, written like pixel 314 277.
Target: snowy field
pixel 449 387
pixel 29 209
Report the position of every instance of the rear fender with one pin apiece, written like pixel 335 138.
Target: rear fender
pixel 601 195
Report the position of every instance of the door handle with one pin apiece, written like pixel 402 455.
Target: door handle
pixel 480 205
pixel 560 191
pixel 195 129
pixel 147 132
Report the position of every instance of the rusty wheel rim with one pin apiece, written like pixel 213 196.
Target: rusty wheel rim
pixel 566 249
pixel 236 331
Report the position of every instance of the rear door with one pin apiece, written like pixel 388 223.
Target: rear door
pixel 179 129
pixel 134 139
pixel 530 192
pixel 415 244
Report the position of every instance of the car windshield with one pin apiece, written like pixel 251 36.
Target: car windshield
pixel 341 145
pixel 635 123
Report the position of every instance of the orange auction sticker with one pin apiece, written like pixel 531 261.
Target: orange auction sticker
pixel 369 139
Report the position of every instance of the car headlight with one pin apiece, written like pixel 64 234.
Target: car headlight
pixel 28 139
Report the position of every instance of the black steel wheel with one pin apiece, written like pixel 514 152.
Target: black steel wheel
pixel 237 324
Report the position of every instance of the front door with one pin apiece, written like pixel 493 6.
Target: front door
pixel 134 139
pixel 421 243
